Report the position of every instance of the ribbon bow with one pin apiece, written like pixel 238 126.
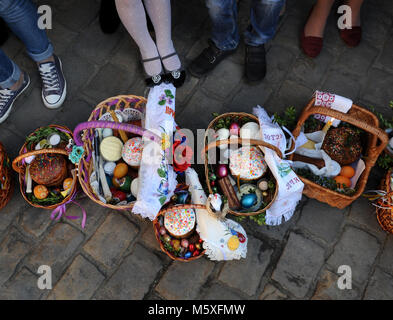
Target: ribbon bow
pixel 60 210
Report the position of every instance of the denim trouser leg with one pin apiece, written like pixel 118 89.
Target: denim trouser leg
pixel 22 18
pixel 9 71
pixel 264 19
pixel 223 14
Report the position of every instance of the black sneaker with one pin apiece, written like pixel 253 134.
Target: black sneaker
pixel 8 97
pixel 208 60
pixel 54 86
pixel 255 63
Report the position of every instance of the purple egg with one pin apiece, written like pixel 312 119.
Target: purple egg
pixel 222 170
pixel 234 128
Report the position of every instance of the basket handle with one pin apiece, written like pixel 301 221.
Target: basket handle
pixel 259 143
pixel 34 153
pixel 379 133
pixel 113 125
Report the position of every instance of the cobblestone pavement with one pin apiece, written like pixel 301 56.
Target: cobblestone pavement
pixel 116 256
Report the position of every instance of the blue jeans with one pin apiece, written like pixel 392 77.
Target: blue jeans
pixel 21 16
pixel 264 18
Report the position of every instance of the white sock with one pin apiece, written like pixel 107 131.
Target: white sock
pixel 132 14
pixel 160 14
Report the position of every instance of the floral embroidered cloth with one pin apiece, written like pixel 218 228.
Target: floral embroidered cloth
pixel 157 177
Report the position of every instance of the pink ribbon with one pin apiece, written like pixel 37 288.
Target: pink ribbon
pixel 60 210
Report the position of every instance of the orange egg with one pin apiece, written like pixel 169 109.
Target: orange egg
pixel 67 183
pixel 347 171
pixel 40 192
pixel 342 181
pixel 121 170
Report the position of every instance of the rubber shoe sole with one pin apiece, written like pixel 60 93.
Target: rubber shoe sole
pixel 5 116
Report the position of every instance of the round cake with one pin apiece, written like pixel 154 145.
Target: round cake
pixel 248 163
pixel 110 148
pixel 49 169
pixel 180 223
pixel 132 151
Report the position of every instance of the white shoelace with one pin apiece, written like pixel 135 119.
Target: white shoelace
pixel 49 77
pixel 5 95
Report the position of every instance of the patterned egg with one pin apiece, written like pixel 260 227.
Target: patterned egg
pixel 67 183
pixel 248 200
pixel 132 151
pixel 184 243
pixel 40 192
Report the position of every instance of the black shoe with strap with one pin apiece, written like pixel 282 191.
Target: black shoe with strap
pixel 255 62
pixel 176 77
pixel 156 79
pixel 208 60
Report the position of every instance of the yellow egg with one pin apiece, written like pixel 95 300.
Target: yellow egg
pixel 67 183
pixel 233 243
pixel 121 170
pixel 41 192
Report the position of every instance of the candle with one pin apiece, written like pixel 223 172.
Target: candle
pixel 328 125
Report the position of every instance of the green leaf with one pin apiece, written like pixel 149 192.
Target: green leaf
pixel 162 200
pixel 162 102
pixel 168 92
pixel 161 173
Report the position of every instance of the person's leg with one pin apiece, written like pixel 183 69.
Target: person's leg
pixel 224 37
pixel 133 16
pixel 264 18
pixel 316 22
pixel 160 15
pixel 22 18
pixel 12 83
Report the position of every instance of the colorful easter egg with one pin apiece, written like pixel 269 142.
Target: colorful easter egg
pixel 132 152
pixel 67 183
pixel 40 192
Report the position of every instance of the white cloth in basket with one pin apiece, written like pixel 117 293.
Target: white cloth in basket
pixel 214 232
pixel 290 187
pixel 157 179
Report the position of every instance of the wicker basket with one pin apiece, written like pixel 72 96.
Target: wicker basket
pixel 259 143
pixel 156 227
pixel 385 216
pixel 19 166
pixel 7 183
pixel 362 119
pixel 126 103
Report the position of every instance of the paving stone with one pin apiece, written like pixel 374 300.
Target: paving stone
pixel 12 47
pixel 186 91
pixel 272 293
pixel 94 45
pixel 100 88
pixel 35 221
pixel 61 37
pixel 386 258
pixel 258 258
pixel 310 72
pixel 12 250
pixel 342 83
pixel 291 94
pixel 327 289
pixel 78 72
pixel 224 79
pixel 11 211
pixel 56 248
pixel 356 249
pixel 322 220
pixel 377 91
pixel 79 282
pixel 363 212
pixel 386 57
pixel 74 112
pixel 107 246
pixel 296 271
pixel 357 63
pixel 127 54
pixel 288 34
pixel 380 286
pixel 79 15
pixel 133 278
pixel 219 292
pixel 184 280
pixel 11 139
pixel 149 239
pixel 279 60
pixel 22 287
pixel 375 24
